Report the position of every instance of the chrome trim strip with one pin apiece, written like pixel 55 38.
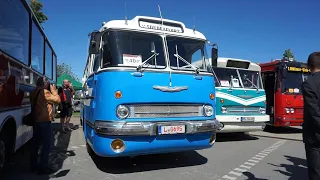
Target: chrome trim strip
pixel 170 89
pixel 132 69
pixel 244 110
pixel 123 128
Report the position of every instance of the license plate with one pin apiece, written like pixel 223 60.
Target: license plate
pixel 247 119
pixel 180 129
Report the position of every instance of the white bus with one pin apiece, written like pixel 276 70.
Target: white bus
pixel 240 96
pixel 25 55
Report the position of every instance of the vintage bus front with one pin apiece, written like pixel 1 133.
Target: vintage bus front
pixel 288 105
pixel 240 97
pixel 143 95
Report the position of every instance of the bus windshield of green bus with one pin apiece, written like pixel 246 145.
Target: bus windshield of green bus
pixel 250 79
pixel 229 77
pixel 226 77
pixel 291 81
pixel 131 49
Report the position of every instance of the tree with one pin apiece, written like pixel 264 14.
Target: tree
pixel 288 54
pixel 66 69
pixel 36 7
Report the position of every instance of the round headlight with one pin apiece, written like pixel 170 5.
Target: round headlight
pixel 208 110
pixel 122 111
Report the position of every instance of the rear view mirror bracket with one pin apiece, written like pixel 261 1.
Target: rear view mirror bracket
pixel 95 37
pixel 214 55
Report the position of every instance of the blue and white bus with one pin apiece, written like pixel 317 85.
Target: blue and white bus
pixel 142 93
pixel 240 96
pixel 25 55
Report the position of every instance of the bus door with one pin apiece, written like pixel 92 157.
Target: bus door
pixel 88 104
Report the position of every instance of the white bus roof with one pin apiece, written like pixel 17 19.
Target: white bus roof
pixel 152 24
pixel 222 62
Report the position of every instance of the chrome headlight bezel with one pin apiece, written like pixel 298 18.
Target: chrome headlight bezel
pixel 120 109
pixel 208 110
pixel 292 110
pixel 289 110
pixel 262 110
pixel 224 110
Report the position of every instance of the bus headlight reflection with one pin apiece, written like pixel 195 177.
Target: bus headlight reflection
pixel 123 111
pixel 208 110
pixel 262 110
pixel 224 110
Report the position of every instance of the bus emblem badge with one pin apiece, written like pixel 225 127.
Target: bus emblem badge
pixel 170 89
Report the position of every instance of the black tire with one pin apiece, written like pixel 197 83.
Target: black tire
pixel 3 154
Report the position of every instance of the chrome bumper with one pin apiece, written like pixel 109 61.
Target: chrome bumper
pixel 150 128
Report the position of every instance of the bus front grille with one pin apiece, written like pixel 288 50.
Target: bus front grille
pixel 243 109
pixel 170 110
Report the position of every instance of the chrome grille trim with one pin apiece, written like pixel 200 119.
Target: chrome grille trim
pixel 243 109
pixel 165 110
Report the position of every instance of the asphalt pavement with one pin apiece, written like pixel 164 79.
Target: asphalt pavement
pixel 276 155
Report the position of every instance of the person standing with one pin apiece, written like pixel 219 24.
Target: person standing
pixel 311 124
pixel 66 92
pixel 43 99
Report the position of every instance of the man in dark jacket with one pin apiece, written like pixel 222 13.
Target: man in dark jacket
pixel 311 125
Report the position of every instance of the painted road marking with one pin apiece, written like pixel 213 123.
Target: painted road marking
pixel 237 172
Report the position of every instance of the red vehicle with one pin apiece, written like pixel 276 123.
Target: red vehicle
pixel 282 81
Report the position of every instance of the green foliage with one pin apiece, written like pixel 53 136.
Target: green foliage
pixel 288 54
pixel 66 69
pixel 36 7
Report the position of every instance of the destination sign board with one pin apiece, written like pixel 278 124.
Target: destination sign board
pixel 298 69
pixel 155 26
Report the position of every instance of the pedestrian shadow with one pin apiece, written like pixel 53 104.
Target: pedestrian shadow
pixel 251 176
pixel 227 137
pixel 297 170
pixel 123 165
pixel 19 166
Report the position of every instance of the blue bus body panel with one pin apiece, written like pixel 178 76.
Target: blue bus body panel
pixel 139 90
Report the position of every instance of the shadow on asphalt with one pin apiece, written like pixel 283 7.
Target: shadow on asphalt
pixel 296 170
pixel 283 130
pixel 227 137
pixel 251 176
pixel 144 163
pixel 19 165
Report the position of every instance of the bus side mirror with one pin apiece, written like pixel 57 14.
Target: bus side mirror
pixel 214 56
pixel 94 43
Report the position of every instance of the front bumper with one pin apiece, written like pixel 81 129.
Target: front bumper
pixel 232 123
pixel 123 128
pixel 287 120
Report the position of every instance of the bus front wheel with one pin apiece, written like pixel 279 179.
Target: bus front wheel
pixel 90 151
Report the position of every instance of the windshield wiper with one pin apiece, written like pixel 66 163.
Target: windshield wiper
pixel 196 68
pixel 146 61
pixel 252 83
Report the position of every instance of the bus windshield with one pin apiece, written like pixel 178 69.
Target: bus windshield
pixel 190 50
pixel 228 77
pixel 124 48
pixel 250 79
pixel 290 86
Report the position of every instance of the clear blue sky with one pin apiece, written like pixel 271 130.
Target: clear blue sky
pixel 248 29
